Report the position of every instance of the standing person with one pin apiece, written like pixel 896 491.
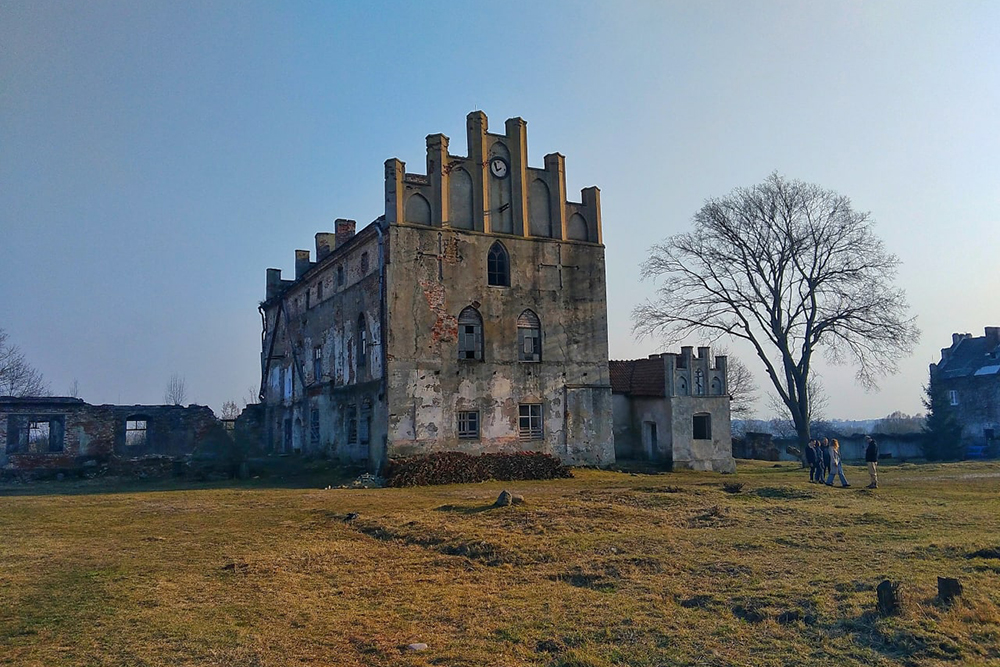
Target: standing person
pixel 811 459
pixel 817 469
pixel 824 451
pixel 835 465
pixel 871 458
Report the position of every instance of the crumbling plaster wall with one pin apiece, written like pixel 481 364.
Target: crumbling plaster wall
pixel 428 384
pixel 326 319
pixel 710 454
pixel 632 440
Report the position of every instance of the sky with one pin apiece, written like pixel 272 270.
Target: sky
pixel 157 157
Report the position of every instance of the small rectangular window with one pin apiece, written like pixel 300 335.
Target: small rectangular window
pixel 702 427
pixel 468 425
pixel 135 432
pixel 314 427
pixel 529 426
pixel 953 396
pixel 317 364
pixel 319 291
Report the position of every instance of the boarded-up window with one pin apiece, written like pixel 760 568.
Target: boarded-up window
pixel 529 337
pixel 470 335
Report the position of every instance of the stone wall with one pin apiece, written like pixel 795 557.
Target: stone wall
pixel 64 433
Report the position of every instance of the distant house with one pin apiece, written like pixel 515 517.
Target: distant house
pixel 57 433
pixel 969 371
pixel 673 409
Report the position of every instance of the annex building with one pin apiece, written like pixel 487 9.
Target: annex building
pixel 969 371
pixel 471 316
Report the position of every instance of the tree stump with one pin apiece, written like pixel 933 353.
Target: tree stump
pixel 949 589
pixel 890 598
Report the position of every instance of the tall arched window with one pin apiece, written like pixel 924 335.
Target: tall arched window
pixel 699 382
pixel 498 266
pixel 470 335
pixel 362 343
pixel 529 337
pixel 716 387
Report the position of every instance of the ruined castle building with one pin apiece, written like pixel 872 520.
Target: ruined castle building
pixel 471 317
pixel 674 409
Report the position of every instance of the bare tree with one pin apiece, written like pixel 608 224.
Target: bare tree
pixel 74 389
pixel 741 383
pixel 252 397
pixel 229 410
pixel 18 377
pixel 176 391
pixel 792 269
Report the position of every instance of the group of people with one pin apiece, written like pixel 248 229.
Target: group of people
pixel 823 457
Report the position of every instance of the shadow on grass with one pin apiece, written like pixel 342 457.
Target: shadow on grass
pixel 304 478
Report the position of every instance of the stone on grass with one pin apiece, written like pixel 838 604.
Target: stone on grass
pixel 419 646
pixel 949 589
pixel 504 499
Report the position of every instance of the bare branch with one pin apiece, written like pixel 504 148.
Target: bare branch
pixel 794 270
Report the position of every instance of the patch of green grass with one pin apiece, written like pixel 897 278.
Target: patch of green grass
pixel 603 569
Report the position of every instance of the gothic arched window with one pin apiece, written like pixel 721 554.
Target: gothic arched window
pixel 470 335
pixel 699 382
pixel 529 337
pixel 498 266
pixel 716 387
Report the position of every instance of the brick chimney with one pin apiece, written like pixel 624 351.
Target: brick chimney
pixel 345 230
pixel 992 337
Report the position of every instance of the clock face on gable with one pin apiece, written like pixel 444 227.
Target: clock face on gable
pixel 498 167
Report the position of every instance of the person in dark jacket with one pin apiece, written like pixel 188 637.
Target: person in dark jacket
pixel 811 460
pixel 824 456
pixel 871 458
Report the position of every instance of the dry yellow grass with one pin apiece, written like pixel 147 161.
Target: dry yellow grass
pixel 603 569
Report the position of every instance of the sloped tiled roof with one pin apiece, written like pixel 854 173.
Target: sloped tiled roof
pixel 968 357
pixel 638 377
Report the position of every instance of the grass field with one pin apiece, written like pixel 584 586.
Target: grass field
pixel 607 568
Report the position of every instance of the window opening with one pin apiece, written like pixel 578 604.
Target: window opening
pixel 352 425
pixel 498 266
pixel 529 425
pixel 362 342
pixel 317 363
pixel 340 275
pixel 953 396
pixel 314 427
pixel 364 263
pixel 38 436
pixel 319 291
pixel 135 432
pixel 468 425
pixel 703 427
pixel 470 334
pixel 529 337
pixel 699 382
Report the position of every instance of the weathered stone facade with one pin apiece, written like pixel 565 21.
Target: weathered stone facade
pixel 478 321
pixel 65 433
pixel 969 371
pixel 674 409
